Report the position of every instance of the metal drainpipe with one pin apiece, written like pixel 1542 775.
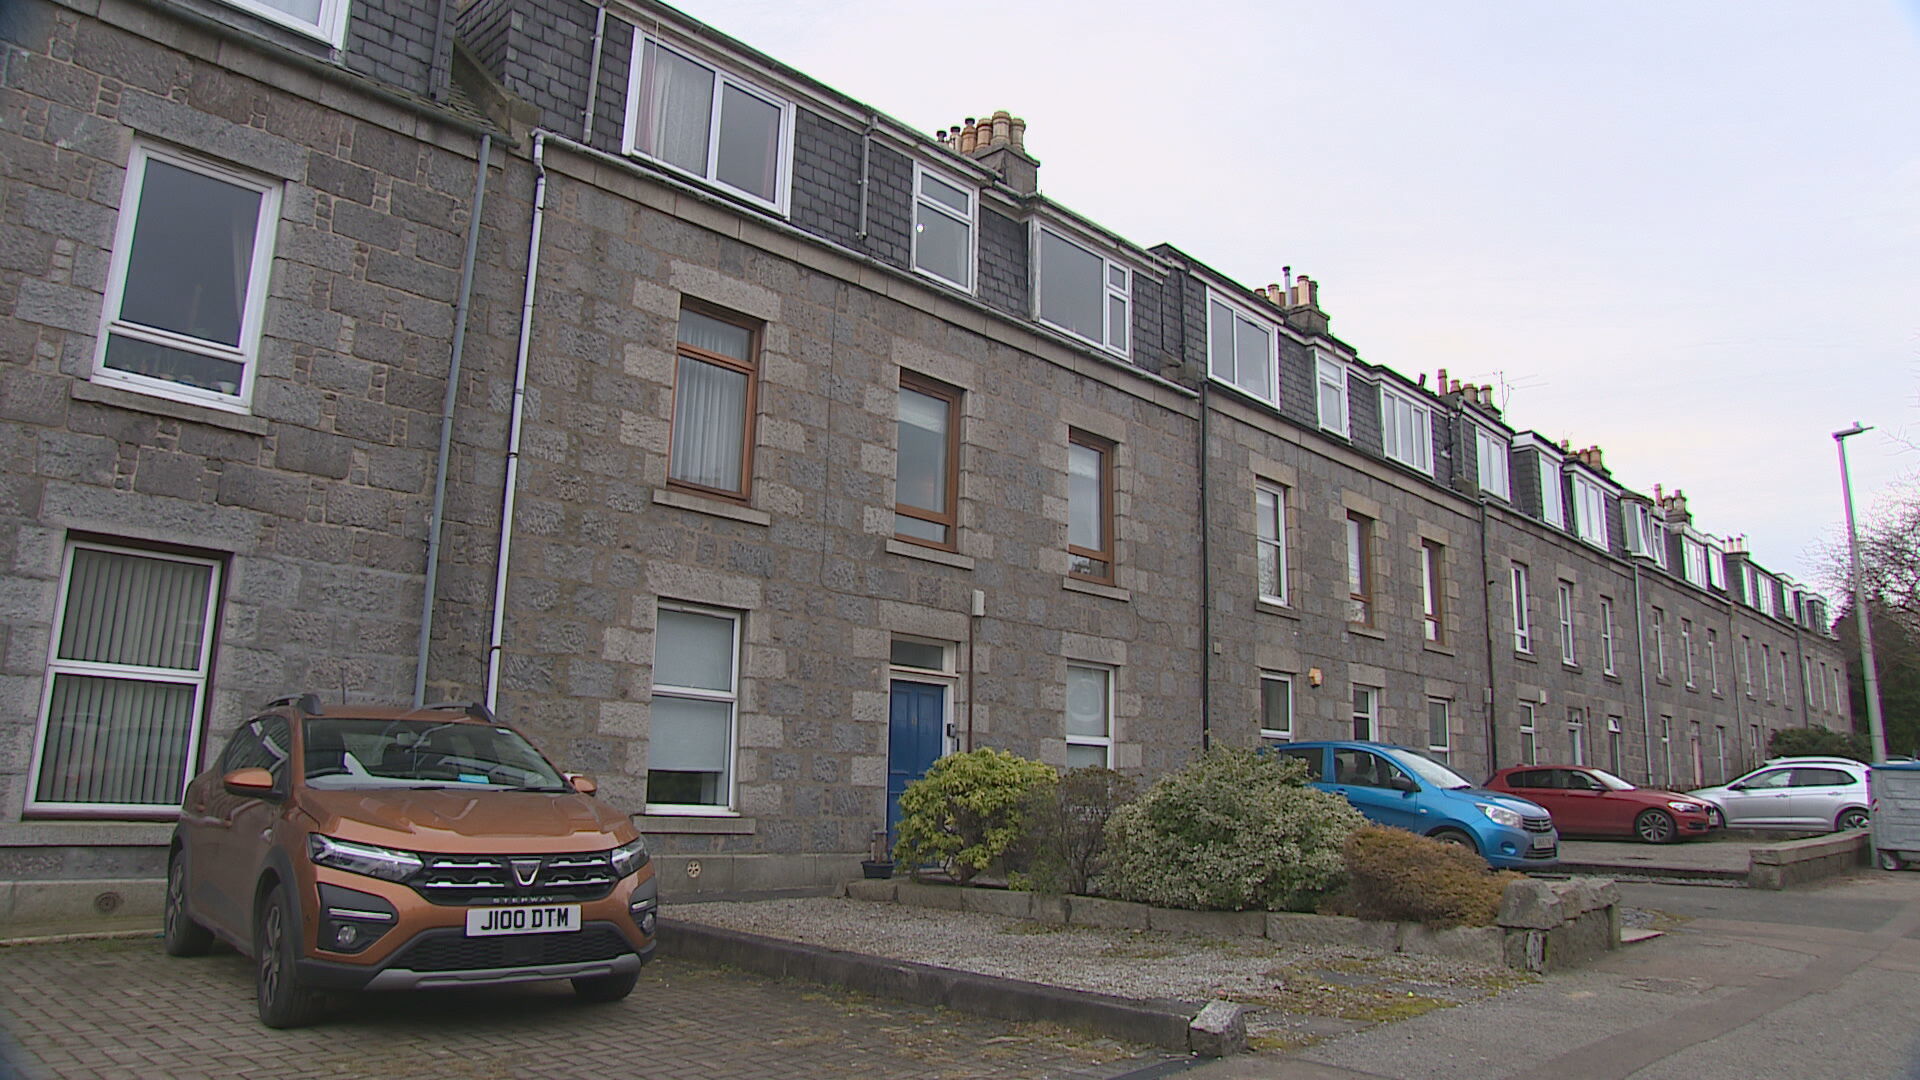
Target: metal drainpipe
pixel 866 172
pixel 1206 579
pixel 1486 613
pixel 593 74
pixel 436 521
pixel 1640 664
pixel 497 632
pixel 1739 719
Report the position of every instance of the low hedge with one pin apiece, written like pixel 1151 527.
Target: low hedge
pixel 1395 875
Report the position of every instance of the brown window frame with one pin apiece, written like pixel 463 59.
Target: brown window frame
pixel 749 367
pixel 949 517
pixel 1360 600
pixel 1105 448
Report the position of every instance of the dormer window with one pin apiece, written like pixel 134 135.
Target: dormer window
pixel 696 119
pixel 943 228
pixel 1331 376
pixel 1081 291
pixel 1240 350
pixel 1553 508
pixel 1406 430
pixel 1590 512
pixel 1490 454
pixel 1646 533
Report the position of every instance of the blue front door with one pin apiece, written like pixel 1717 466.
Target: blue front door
pixel 916 737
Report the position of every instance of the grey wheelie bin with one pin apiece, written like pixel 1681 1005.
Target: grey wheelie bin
pixel 1896 813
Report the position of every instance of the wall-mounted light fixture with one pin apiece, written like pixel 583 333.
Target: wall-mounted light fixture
pixel 1314 678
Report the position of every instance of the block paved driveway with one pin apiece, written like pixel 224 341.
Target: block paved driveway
pixel 122 1008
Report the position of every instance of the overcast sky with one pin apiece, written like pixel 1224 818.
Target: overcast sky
pixel 1688 232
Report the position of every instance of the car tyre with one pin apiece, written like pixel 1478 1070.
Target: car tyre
pixel 284 1002
pixel 1456 838
pixel 179 934
pixel 1891 860
pixel 1853 818
pixel 602 989
pixel 1655 827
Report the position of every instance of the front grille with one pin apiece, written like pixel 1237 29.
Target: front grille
pixel 464 880
pixel 1540 825
pixel 452 951
pixel 1537 824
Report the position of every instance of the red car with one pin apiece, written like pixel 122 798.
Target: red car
pixel 1585 801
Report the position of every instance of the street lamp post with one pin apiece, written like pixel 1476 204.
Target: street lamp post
pixel 1862 618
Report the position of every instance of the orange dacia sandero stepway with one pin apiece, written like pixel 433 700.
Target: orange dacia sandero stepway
pixel 358 848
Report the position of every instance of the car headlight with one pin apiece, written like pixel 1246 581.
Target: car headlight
pixel 1688 807
pixel 1500 815
pixel 384 863
pixel 629 857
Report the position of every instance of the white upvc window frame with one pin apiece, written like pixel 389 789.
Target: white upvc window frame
pixel 1529 735
pixel 1569 654
pixel 1394 405
pixel 330 26
pixel 1658 625
pixel 1686 649
pixel 1492 455
pixel 727 807
pixel 1104 743
pixel 253 315
pixel 1590 511
pixel 1270 508
pixel 923 202
pixel 1370 715
pixel 1577 735
pixel 1806 679
pixel 1716 567
pixel 1109 291
pixel 1440 737
pixel 1280 684
pixel 196 677
pixel 1332 373
pixel 1553 499
pixel 1713 660
pixel 1694 558
pixel 1269 363
pixel 722 79
pixel 1766 670
pixel 1606 637
pixel 1522 622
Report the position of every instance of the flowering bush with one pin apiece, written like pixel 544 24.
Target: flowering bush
pixel 968 811
pixel 1233 831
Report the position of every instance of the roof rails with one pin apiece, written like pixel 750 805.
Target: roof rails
pixel 475 709
pixel 308 703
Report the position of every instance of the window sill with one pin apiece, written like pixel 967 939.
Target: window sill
pixel 917 551
pixel 136 401
pixel 1570 665
pixel 1611 676
pixel 1094 588
pixel 1438 647
pixel 1365 631
pixel 1285 611
pixel 703 504
pixel 69 829
pixel 1526 655
pixel 666 824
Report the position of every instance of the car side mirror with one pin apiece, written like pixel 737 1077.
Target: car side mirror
pixel 1403 782
pixel 252 783
pixel 1736 787
pixel 582 783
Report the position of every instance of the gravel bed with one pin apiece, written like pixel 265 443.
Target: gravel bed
pixel 1127 963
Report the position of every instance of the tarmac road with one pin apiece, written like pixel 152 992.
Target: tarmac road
pixel 1816 983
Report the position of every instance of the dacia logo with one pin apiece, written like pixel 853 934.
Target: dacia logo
pixel 525 871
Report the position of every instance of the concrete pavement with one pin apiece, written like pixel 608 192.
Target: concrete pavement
pixel 1813 984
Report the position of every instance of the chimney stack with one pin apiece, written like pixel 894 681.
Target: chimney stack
pixel 1000 143
pixel 1301 308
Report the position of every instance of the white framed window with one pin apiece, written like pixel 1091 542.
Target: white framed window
pixel 187 287
pixel 691 737
pixel 1666 747
pixel 1270 540
pixel 1522 625
pixel 1276 706
pixel 1590 512
pixel 1763 593
pixel 1366 713
pixel 1406 430
pixel 1081 291
pixel 698 120
pixel 1606 636
pixel 323 19
pixel 1713 659
pixel 1837 699
pixel 1766 671
pixel 1746 662
pixel 1646 533
pixel 1553 508
pixel 1686 648
pixel 1439 729
pixel 1615 759
pixel 1567 654
pixel 1716 567
pixel 1432 560
pixel 1490 454
pixel 1695 567
pixel 1577 735
pixel 1806 679
pixel 1331 379
pixel 126 684
pixel 1242 350
pixel 1660 642
pixel 1529 739
pixel 1089 716
pixel 945 214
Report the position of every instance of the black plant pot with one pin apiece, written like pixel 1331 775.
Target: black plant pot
pixel 877 869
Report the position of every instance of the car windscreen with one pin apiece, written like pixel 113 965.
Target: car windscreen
pixel 1612 782
pixel 1428 770
pixel 359 752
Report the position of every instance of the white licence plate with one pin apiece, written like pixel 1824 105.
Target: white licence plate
pixel 1540 840
pixel 535 919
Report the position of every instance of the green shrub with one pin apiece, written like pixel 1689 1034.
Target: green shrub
pixel 1065 843
pixel 1232 831
pixel 1396 875
pixel 1817 741
pixel 967 812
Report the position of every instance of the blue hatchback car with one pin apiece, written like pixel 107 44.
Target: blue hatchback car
pixel 1393 785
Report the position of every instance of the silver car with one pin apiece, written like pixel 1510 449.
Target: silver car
pixel 1795 793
